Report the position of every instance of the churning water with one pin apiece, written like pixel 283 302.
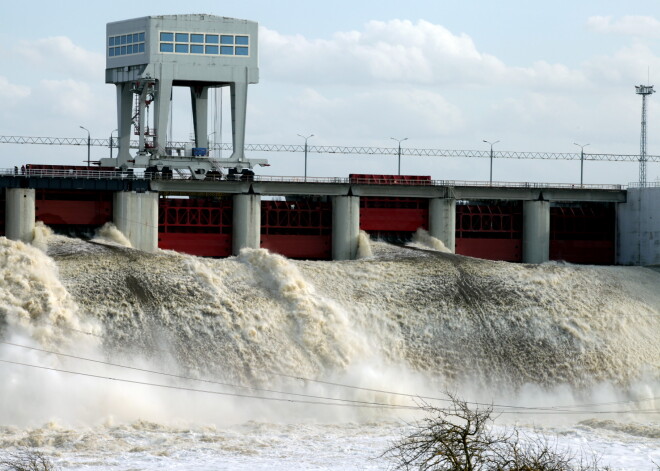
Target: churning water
pixel 258 361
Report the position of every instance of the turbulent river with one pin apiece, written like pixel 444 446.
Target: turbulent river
pixel 114 358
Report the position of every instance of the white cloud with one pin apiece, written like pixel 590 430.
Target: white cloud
pixel 641 26
pixel 398 51
pixel 62 55
pixel 10 92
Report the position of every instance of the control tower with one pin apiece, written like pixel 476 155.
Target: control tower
pixel 146 57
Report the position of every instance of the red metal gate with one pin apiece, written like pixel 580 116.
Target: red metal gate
pixel 583 233
pixel 61 208
pixel 196 226
pixel 395 218
pixel 490 231
pixel 297 229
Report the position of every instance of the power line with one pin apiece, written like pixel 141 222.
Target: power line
pixel 348 150
pixel 500 407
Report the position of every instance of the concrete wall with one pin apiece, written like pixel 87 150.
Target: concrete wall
pixel 345 227
pixel 536 231
pixel 20 214
pixel 136 216
pixel 638 228
pixel 246 223
pixel 442 221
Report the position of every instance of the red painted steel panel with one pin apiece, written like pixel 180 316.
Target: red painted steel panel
pixel 59 212
pixel 593 252
pixel 311 247
pixel 201 244
pixel 372 179
pixel 393 219
pixel 509 250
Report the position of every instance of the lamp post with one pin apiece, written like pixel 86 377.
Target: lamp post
pixel 399 141
pixel 491 159
pixel 306 137
pixel 581 146
pixel 111 141
pixel 89 145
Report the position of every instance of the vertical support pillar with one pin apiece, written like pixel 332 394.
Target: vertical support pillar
pixel 536 231
pixel 161 119
pixel 345 227
pixel 124 120
pixel 246 223
pixel 136 216
pixel 442 221
pixel 238 109
pixel 20 214
pixel 199 97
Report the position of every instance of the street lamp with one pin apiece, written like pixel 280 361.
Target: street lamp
pixel 491 159
pixel 111 141
pixel 399 141
pixel 581 160
pixel 89 145
pixel 306 137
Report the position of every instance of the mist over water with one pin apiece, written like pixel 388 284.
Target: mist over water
pixel 398 319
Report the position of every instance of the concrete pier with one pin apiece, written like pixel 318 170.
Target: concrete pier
pixel 345 227
pixel 246 222
pixel 638 223
pixel 20 214
pixel 536 231
pixel 136 216
pixel 442 221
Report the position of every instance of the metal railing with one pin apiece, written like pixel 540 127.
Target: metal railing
pixel 109 174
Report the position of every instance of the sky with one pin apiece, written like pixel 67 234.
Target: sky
pixel 443 74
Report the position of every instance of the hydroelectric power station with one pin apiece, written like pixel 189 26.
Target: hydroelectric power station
pixel 182 199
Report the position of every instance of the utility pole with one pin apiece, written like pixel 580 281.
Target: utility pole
pixel 399 141
pixel 581 161
pixel 311 135
pixel 89 145
pixel 491 159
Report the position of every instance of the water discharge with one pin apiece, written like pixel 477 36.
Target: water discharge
pixel 398 319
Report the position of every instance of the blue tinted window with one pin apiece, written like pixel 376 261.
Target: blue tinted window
pixel 211 49
pixel 112 51
pixel 166 47
pixel 181 48
pixel 197 49
pixel 212 38
pixel 243 40
pixel 123 50
pixel 111 41
pixel 129 38
pixel 227 50
pixel 182 37
pixel 167 37
pixel 141 49
pixel 117 51
pixel 196 38
pixel 241 51
pixel 129 49
pixel 123 39
pixel 141 37
pixel 136 37
pixel 224 39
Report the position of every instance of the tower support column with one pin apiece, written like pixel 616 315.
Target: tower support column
pixel 136 216
pixel 246 223
pixel 345 227
pixel 536 231
pixel 442 221
pixel 20 214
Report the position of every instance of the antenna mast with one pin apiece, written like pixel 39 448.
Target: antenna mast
pixel 643 90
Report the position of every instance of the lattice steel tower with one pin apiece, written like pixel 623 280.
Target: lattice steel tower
pixel 643 90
